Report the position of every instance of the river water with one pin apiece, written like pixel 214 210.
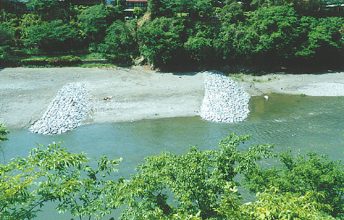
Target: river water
pixel 300 123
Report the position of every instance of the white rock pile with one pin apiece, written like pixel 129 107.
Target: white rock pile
pixel 68 109
pixel 224 100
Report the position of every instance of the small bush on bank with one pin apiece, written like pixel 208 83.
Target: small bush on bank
pixel 3 132
pixel 9 57
pixel 6 34
pixel 52 61
pixel 3 55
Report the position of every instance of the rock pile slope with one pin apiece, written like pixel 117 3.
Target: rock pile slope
pixel 66 112
pixel 224 100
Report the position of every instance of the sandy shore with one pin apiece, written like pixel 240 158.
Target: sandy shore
pixel 133 94
pixel 327 84
pixel 130 94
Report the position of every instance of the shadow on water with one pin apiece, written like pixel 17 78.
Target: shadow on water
pixel 2 153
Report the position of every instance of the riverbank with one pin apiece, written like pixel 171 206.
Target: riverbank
pixel 117 94
pixel 120 94
pixel 327 84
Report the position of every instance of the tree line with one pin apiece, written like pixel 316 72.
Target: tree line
pixel 199 184
pixel 178 33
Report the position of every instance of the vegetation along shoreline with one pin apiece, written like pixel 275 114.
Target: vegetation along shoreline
pixel 170 35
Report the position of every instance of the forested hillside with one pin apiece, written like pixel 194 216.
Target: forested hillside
pixel 174 33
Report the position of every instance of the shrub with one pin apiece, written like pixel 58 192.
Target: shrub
pixel 51 36
pixel 6 40
pixel 6 34
pixel 194 184
pixel 138 12
pixel 321 38
pixel 52 61
pixel 3 132
pixel 119 45
pixel 94 20
pixel 272 204
pixel 268 34
pixel 201 45
pixel 4 56
pixel 52 174
pixel 304 174
pixel 161 41
pixel 50 9
pixel 64 61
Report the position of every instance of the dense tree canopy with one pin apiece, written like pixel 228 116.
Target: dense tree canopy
pixel 322 37
pixel 201 43
pixel 185 33
pixel 272 204
pixel 94 20
pixel 6 34
pixel 271 33
pixel 301 175
pixel 120 44
pixel 50 9
pixel 53 174
pixel 193 184
pixel 161 41
pixel 267 34
pixel 51 36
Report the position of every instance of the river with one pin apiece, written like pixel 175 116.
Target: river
pixel 300 123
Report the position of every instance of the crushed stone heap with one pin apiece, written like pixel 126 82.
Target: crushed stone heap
pixel 224 100
pixel 66 112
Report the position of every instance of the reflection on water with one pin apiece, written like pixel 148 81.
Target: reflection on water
pixel 303 124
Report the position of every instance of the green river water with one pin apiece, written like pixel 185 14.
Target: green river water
pixel 300 123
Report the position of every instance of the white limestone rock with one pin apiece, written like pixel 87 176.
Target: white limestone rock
pixel 224 100
pixel 66 112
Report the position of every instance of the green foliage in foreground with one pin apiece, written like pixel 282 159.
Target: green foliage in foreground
pixel 272 204
pixel 53 174
pixel 195 185
pixel 303 174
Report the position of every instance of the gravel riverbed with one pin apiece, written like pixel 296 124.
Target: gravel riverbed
pixel 138 93
pixel 224 101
